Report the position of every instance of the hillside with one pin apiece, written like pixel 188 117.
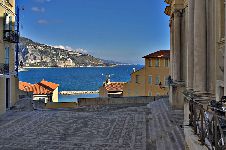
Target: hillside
pixel 34 54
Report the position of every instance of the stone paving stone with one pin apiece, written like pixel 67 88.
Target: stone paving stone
pixel 105 128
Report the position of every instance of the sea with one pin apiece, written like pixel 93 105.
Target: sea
pixel 79 78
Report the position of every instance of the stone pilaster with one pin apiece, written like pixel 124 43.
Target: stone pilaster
pixel 171 47
pixel 177 45
pixel 211 52
pixel 200 48
pixel 190 49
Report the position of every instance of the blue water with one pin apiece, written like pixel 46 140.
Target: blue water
pixel 78 79
pixel 73 98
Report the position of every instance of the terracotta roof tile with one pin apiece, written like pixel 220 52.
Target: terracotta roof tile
pixel 41 88
pixel 115 86
pixel 159 54
pixel 24 86
pixel 38 89
pixel 49 84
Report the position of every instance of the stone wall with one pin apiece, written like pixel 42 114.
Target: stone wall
pixel 23 94
pixel 52 105
pixel 118 101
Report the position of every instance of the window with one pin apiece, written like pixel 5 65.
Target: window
pixel 7 55
pixel 136 92
pixel 166 81
pixel 10 23
pixel 157 80
pixel 150 63
pixel 166 62
pixel 157 62
pixel 137 78
pixel 6 21
pixel 129 92
pixel 150 79
pixel 150 93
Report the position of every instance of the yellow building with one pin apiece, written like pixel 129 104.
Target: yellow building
pixel 152 80
pixel 8 39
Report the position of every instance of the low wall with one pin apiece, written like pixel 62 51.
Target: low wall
pixel 52 105
pixel 23 94
pixel 117 101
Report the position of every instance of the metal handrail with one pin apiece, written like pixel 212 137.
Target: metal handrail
pixel 208 124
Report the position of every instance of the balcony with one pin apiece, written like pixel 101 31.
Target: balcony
pixel 4 69
pixel 11 36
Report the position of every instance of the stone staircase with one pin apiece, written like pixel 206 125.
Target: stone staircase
pixel 164 130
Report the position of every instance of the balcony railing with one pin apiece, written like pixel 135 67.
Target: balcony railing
pixel 4 69
pixel 208 122
pixel 11 36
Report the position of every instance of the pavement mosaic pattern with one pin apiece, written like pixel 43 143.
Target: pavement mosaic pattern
pixel 110 128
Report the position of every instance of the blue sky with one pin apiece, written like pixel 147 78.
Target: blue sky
pixel 120 30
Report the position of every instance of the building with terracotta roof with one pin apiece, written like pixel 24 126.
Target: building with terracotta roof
pixel 111 89
pixel 152 79
pixel 44 90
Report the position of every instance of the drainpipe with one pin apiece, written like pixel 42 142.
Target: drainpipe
pixel 17 42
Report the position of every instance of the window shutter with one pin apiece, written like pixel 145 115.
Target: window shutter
pixel 10 23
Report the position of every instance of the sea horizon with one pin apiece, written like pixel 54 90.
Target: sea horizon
pixel 78 78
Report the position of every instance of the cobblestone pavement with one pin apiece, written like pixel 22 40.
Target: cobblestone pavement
pixel 109 127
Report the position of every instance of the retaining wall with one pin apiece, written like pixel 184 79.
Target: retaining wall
pixel 117 101
pixel 52 105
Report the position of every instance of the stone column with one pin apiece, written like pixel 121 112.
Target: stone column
pixel 200 46
pixel 211 65
pixel 171 48
pixel 190 49
pixel 177 45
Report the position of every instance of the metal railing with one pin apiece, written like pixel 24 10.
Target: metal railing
pixel 208 123
pixel 10 36
pixel 4 69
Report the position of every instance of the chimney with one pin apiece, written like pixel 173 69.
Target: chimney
pixel 134 70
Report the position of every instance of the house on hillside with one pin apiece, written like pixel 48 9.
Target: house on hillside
pixel 44 90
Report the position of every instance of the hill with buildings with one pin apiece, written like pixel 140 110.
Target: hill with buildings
pixel 34 54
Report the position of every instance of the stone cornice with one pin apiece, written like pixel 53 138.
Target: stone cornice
pixel 168 1
pixel 185 3
pixel 178 12
pixel 168 10
pixel 7 8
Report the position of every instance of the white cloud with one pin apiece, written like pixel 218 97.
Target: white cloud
pixel 38 9
pixel 42 21
pixel 80 50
